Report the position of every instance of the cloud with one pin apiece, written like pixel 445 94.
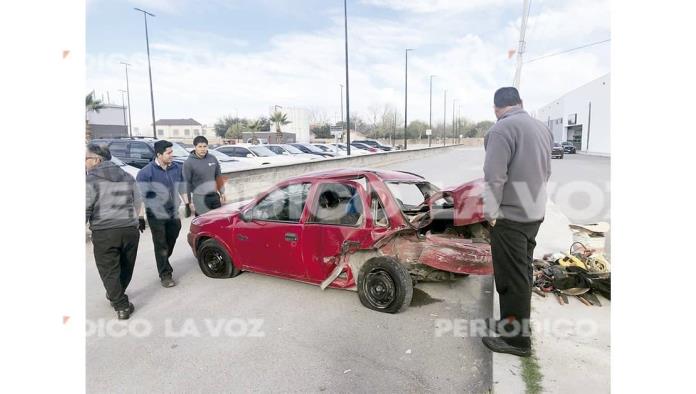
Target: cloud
pixel 204 75
pixel 432 6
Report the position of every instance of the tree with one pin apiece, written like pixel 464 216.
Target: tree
pixel 91 104
pixel 416 129
pixel 279 119
pixel 223 124
pixel 321 131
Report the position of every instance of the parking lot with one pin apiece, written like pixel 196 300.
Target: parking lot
pixel 259 333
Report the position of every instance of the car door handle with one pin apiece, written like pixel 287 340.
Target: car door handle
pixel 290 237
pixel 242 237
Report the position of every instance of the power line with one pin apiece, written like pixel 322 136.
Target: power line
pixel 568 50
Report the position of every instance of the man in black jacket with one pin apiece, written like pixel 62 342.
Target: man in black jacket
pixel 112 208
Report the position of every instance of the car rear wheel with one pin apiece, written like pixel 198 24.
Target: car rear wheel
pixel 214 260
pixel 384 285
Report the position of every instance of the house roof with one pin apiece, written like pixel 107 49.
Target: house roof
pixel 177 122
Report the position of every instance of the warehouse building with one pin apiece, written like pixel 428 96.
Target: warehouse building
pixel 581 117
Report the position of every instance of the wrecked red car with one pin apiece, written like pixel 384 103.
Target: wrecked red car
pixel 375 231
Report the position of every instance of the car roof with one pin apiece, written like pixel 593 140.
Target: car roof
pixel 342 173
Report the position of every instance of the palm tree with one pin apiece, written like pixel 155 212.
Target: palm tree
pixel 253 126
pixel 279 119
pixel 91 104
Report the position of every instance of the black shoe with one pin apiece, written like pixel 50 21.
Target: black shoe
pixel 498 345
pixel 167 281
pixel 124 314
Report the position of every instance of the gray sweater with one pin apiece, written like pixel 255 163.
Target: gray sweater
pixel 517 167
pixel 200 174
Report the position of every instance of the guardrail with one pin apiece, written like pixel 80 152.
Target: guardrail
pixel 246 184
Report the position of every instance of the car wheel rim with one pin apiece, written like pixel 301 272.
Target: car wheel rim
pixel 214 261
pixel 380 289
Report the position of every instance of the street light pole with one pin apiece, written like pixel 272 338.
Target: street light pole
pixel 345 19
pixel 123 102
pixel 431 112
pixel 130 124
pixel 342 123
pixel 444 123
pixel 149 70
pixel 406 102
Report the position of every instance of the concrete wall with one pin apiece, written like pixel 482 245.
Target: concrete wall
pixel 243 185
pixel 595 122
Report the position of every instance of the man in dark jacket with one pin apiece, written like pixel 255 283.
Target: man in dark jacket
pixel 112 209
pixel 202 175
pixel 161 184
pixel 516 170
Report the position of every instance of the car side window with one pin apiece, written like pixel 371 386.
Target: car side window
pixel 243 152
pixel 379 214
pixel 337 204
pixel 285 204
pixel 118 149
pixel 139 150
pixel 276 149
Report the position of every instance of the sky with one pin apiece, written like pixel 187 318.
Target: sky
pixel 241 57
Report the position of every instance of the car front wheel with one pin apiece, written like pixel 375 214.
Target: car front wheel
pixel 214 260
pixel 384 285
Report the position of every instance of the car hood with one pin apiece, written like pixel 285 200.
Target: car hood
pixel 226 211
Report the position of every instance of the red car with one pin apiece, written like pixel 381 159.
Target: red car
pixel 378 232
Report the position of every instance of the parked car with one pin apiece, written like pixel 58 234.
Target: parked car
pixel 287 149
pixel 374 144
pixel 309 148
pixel 568 147
pixel 230 164
pixel 557 151
pixel 330 149
pixel 375 231
pixel 137 152
pixel 342 148
pixel 365 147
pixel 257 154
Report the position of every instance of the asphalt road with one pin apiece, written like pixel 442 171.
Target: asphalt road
pixel 264 334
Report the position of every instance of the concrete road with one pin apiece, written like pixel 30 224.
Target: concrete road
pixel 264 334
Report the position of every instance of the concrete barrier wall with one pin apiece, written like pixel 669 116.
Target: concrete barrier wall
pixel 243 185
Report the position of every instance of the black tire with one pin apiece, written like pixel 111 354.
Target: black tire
pixel 384 285
pixel 214 260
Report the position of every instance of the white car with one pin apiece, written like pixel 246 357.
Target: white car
pixel 257 154
pixel 343 151
pixel 229 164
pixel 285 149
pixel 133 171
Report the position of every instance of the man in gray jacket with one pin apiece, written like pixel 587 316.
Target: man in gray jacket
pixel 203 178
pixel 112 210
pixel 516 170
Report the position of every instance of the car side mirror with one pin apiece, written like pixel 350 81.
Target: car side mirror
pixel 246 215
pixel 249 155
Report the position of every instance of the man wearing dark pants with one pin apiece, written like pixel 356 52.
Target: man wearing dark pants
pixel 112 207
pixel 516 170
pixel 202 173
pixel 162 186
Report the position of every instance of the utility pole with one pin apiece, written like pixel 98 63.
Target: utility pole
pixel 406 102
pixel 454 124
pixel 394 129
pixel 130 124
pixel 444 123
pixel 522 47
pixel 345 18
pixel 431 112
pixel 149 71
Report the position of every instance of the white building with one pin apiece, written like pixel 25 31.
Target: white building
pixel 299 122
pixel 581 116
pixel 181 130
pixel 109 122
